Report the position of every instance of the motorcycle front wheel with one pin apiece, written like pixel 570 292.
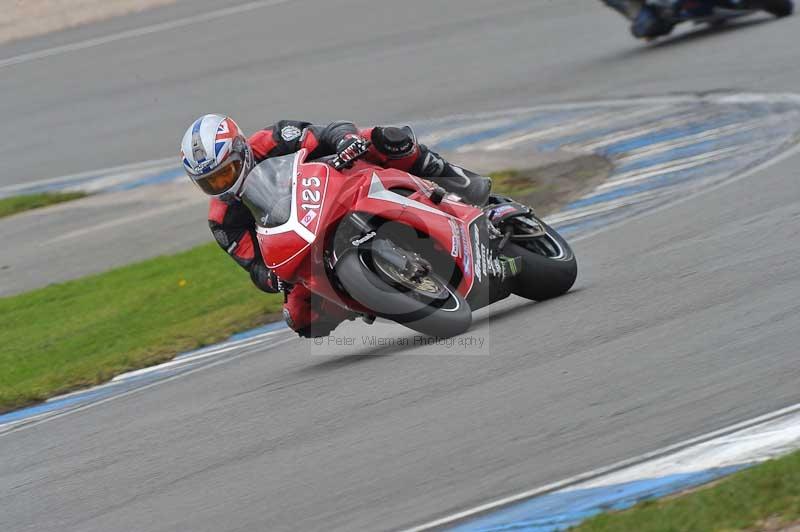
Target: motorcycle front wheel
pixel 427 304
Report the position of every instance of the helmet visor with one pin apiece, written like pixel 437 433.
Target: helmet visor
pixel 221 179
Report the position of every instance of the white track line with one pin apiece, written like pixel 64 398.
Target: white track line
pixel 561 129
pixel 443 135
pixel 155 165
pixel 711 134
pixel 185 359
pixel 699 191
pixel 200 355
pixel 138 32
pixel 590 475
pixel 607 206
pixel 575 125
pixel 159 382
pixel 629 134
pixel 635 176
pixel 750 445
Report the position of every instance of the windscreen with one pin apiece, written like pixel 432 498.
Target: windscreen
pixel 268 191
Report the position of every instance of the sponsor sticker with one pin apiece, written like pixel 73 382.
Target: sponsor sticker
pixel 455 244
pixel 203 167
pixel 500 211
pixel 466 251
pixel 308 218
pixel 366 238
pixel 290 133
pixel 476 245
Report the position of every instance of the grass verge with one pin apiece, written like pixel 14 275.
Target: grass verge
pixel 550 187
pixel 17 204
pixel 84 332
pixel 764 497
pixel 512 183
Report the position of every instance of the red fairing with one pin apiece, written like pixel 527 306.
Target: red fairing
pixel 447 223
pixel 288 244
pixel 323 196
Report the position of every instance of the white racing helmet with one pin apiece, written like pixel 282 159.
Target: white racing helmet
pixel 216 156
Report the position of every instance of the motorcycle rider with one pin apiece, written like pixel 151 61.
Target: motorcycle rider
pixel 653 18
pixel 217 157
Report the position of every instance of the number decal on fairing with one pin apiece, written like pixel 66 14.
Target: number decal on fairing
pixel 310 193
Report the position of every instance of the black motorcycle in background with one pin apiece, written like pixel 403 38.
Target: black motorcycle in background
pixel 655 18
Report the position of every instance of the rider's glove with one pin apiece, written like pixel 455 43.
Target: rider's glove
pixel 348 150
pixel 265 279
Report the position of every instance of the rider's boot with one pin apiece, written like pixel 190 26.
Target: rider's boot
pixel 399 148
pixel 470 187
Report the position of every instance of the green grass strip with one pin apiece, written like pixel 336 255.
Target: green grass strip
pixel 16 204
pixel 84 332
pixel 740 502
pixel 512 183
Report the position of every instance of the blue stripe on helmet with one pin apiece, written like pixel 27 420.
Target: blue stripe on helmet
pixel 198 151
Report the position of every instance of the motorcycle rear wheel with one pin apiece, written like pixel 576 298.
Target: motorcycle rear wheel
pixel 416 309
pixel 549 267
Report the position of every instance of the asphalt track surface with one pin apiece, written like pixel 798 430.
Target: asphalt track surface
pixel 682 321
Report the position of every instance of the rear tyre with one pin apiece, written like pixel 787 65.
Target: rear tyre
pixel 443 316
pixel 549 268
pixel 778 8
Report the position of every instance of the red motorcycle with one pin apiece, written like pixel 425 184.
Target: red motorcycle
pixel 382 242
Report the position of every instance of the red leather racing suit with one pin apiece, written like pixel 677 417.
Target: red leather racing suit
pixel 234 227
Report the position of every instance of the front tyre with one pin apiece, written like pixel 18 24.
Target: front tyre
pixel 778 8
pixel 549 268
pixel 445 315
